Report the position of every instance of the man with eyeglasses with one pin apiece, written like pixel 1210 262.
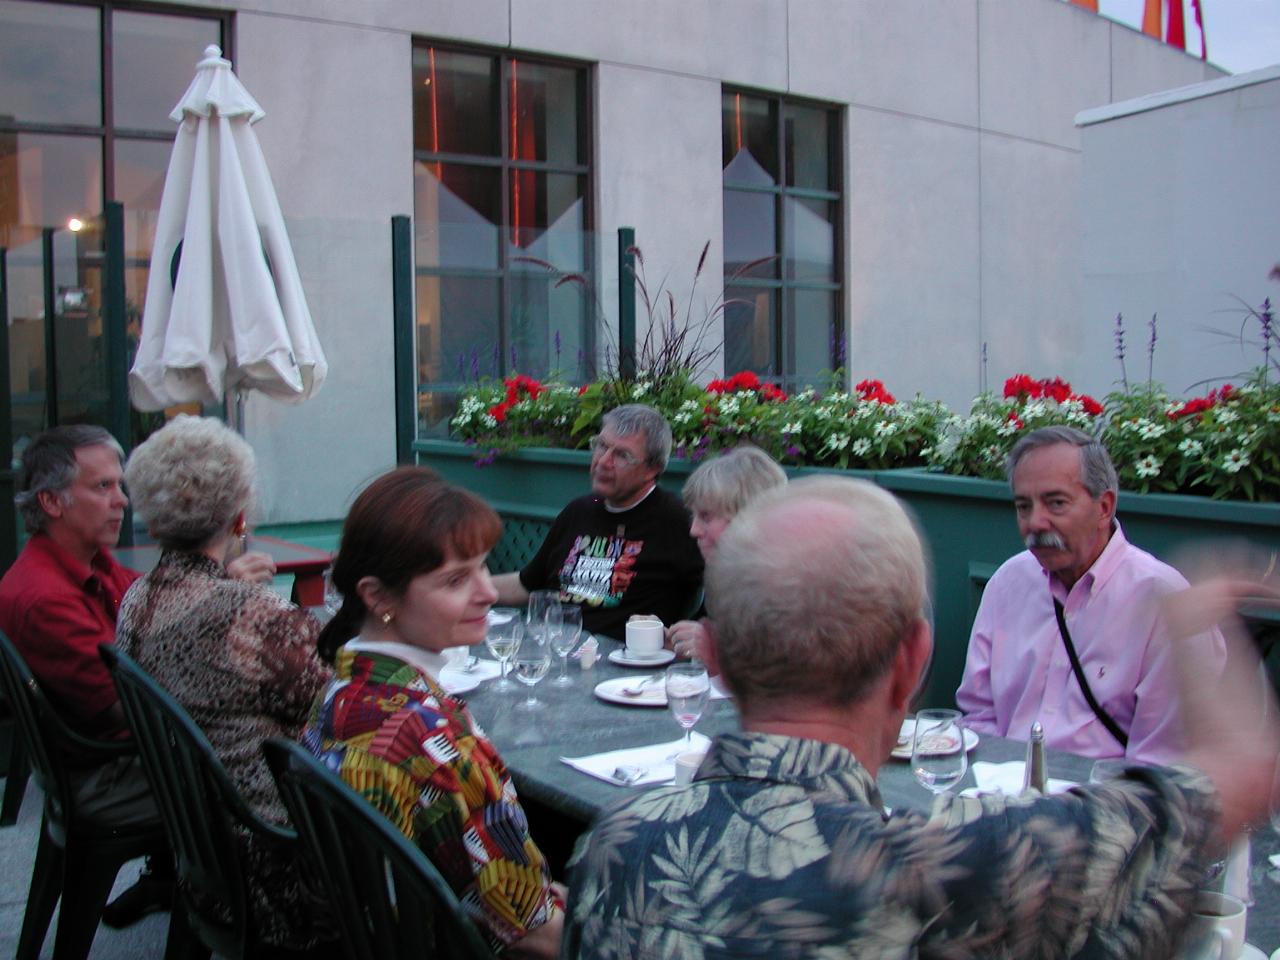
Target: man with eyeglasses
pixel 624 548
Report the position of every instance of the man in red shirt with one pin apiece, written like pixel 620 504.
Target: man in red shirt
pixel 58 602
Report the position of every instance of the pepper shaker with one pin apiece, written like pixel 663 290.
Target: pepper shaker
pixel 1036 774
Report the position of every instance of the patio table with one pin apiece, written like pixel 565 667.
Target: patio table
pixel 573 722
pixel 307 564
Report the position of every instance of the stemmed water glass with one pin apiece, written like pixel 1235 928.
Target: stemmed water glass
pixel 565 638
pixel 532 661
pixel 938 758
pixel 503 637
pixel 688 689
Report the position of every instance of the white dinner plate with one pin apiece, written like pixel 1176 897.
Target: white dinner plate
pixel 459 681
pixel 902 750
pixel 624 659
pixel 651 694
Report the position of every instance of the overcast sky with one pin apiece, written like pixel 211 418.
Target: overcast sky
pixel 1243 34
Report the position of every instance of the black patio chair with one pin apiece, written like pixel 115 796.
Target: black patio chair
pixel 201 810
pixel 77 858
pixel 16 769
pixel 390 901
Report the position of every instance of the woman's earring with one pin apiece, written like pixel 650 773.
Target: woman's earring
pixel 387 617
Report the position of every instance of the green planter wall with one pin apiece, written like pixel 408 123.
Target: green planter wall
pixel 968 524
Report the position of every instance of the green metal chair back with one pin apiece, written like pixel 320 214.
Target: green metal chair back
pixel 391 902
pixel 201 810
pixel 77 859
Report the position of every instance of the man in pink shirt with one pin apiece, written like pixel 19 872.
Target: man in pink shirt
pixel 1080 584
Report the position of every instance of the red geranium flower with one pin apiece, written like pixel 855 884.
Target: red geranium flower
pixel 1091 406
pixel 874 390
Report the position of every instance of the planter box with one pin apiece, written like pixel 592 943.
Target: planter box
pixel 968 525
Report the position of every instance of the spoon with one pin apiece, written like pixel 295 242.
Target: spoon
pixel 637 689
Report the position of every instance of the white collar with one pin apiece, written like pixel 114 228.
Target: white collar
pixel 634 505
pixel 424 660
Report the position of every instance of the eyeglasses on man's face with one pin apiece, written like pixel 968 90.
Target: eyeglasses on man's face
pixel 602 448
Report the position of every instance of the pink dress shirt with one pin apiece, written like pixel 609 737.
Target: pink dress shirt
pixel 1018 671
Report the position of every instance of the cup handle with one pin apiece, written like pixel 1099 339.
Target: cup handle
pixel 1223 939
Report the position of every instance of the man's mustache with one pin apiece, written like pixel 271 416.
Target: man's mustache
pixel 1046 538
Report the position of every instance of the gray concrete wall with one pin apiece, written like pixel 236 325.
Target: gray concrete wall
pixel 962 174
pixel 1181 218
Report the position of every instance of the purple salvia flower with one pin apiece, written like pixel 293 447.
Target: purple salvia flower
pixel 1119 335
pixel 514 364
pixel 1265 318
pixel 462 365
pixel 557 349
pixel 475 365
pixel 793 450
pixel 1151 350
pixel 496 360
pixel 982 374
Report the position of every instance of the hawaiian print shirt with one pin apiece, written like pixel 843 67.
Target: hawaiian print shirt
pixel 781 848
pixel 414 752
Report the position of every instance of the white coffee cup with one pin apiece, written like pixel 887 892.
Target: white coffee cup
pixel 455 656
pixel 686 766
pixel 644 638
pixel 1216 930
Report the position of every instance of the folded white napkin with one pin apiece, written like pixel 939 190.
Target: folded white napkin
pixel 657 761
pixel 1007 778
pixel 453 679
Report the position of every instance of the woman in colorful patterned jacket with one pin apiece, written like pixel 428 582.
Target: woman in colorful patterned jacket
pixel 411 569
pixel 240 658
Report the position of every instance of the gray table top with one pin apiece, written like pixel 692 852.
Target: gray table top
pixel 571 721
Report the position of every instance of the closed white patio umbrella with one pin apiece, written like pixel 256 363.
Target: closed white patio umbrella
pixel 225 309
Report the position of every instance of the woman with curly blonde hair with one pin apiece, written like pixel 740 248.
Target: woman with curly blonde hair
pixel 239 658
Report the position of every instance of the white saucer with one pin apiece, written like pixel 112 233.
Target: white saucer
pixel 1250 952
pixel 623 659
pixel 652 694
pixel 903 749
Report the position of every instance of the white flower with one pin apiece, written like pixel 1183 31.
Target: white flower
pixel 885 428
pixel 793 427
pixel 1148 466
pixel 1191 448
pixel 1034 410
pixel 684 416
pixel 640 389
pixel 1226 415
pixel 861 447
pixel 1150 431
pixel 1007 429
pixel 991 453
pixel 838 441
pixel 1235 461
pixel 691 405
pixel 728 403
pixel 489 420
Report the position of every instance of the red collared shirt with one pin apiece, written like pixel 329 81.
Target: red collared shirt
pixel 56 610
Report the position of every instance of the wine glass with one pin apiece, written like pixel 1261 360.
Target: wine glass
pixel 532 661
pixel 541 601
pixel 565 638
pixel 503 637
pixel 938 758
pixel 688 689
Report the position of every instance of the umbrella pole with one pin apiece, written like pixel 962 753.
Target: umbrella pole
pixel 235 410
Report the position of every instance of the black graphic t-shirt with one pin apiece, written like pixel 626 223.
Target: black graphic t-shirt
pixel 641 560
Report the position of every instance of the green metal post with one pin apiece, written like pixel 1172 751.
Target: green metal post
pixel 626 303
pixel 115 337
pixel 402 336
